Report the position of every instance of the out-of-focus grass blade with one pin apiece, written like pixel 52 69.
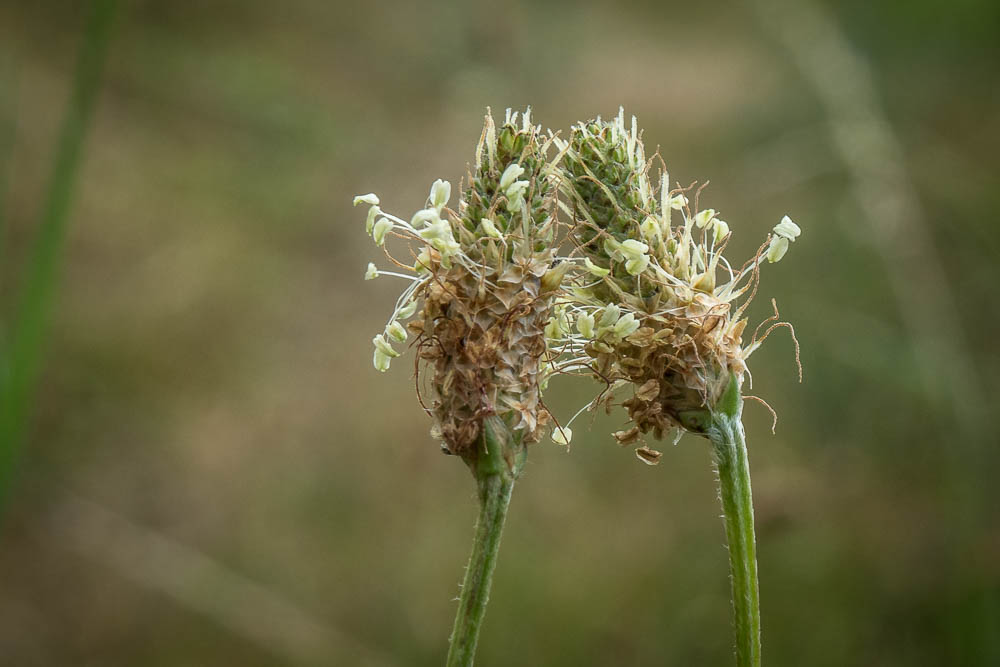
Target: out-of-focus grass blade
pixel 26 330
pixel 8 130
pixel 8 127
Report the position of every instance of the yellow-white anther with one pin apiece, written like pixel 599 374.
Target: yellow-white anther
pixel 372 272
pixel 595 269
pixel 383 353
pixel 785 232
pixel 561 435
pixel 371 199
pixel 381 228
pixel 515 193
pixel 702 218
pixel 637 265
pixel 370 220
pixel 626 325
pixel 396 332
pixel 787 229
pixel 650 228
pixel 633 249
pixel 613 249
pixel 558 325
pixel 516 190
pixel 423 263
pixel 381 360
pixel 636 259
pixel 438 234
pixel 489 228
pixel 610 315
pixel 721 229
pixel 678 202
pixel 440 194
pixel 552 329
pixel 777 249
pixel 407 310
pixel 510 174
pixel 382 345
pixel 426 216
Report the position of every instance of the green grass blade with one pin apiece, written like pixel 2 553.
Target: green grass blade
pixel 27 328
pixel 8 130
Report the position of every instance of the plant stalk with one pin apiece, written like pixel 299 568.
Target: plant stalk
pixel 730 450
pixel 495 465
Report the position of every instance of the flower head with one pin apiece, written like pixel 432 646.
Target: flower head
pixel 484 290
pixel 668 306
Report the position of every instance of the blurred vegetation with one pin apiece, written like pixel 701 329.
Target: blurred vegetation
pixel 212 472
pixel 25 337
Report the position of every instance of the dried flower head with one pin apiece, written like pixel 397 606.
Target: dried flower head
pixel 483 285
pixel 660 310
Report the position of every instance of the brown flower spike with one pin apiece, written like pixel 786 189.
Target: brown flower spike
pixel 484 288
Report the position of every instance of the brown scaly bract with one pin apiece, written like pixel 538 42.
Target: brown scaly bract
pixel 486 348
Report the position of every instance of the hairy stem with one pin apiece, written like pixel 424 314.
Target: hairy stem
pixel 495 466
pixel 729 445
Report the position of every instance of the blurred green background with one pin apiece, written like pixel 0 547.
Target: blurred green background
pixel 212 473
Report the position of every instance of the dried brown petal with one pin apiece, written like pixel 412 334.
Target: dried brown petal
pixel 648 391
pixel 627 437
pixel 648 456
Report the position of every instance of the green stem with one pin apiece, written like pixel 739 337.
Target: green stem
pixel 729 445
pixel 495 465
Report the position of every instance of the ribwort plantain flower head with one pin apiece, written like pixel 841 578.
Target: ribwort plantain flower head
pixel 482 289
pixel 659 309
